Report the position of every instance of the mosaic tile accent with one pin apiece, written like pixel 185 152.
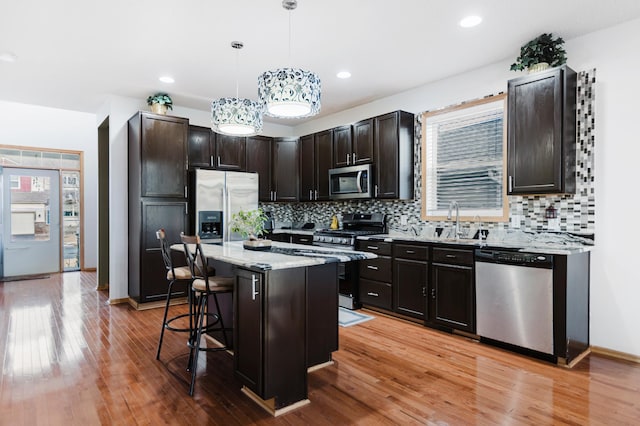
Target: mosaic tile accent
pixel 576 212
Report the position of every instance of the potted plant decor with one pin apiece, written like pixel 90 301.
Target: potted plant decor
pixel 540 53
pixel 250 224
pixel 160 102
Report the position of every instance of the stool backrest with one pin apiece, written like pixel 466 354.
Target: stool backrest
pixel 164 249
pixel 196 260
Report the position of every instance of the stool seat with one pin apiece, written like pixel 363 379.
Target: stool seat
pixel 216 283
pixel 179 273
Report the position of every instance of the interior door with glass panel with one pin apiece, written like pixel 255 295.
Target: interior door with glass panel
pixel 31 221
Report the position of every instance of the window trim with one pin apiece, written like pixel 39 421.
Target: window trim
pixel 455 109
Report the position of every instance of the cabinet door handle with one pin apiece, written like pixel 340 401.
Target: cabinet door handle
pixel 450 256
pixel 186 193
pixel 311 194
pixel 254 293
pixel 303 240
pixel 218 161
pixel 375 268
pixel 370 293
pixel 353 158
pixel 410 252
pixel 375 187
pixel 186 209
pixel 510 183
pixel 316 194
pixel 348 159
pixel 424 292
pixel 211 161
pixel 373 247
pixel 433 293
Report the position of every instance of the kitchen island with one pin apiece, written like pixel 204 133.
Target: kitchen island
pixel 285 316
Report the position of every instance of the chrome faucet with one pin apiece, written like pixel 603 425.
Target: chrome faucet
pixel 451 206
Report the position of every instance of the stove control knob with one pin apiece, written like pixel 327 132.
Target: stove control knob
pixel 344 241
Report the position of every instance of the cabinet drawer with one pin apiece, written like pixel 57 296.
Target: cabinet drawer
pixel 409 251
pixel 376 247
pixel 378 269
pixel 302 239
pixel 375 293
pixel 455 256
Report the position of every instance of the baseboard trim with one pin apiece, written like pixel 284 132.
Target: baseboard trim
pixel 89 270
pixel 269 405
pixel 615 354
pixel 157 304
pixel 118 301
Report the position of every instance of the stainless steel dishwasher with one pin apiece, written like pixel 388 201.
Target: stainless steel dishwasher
pixel 514 298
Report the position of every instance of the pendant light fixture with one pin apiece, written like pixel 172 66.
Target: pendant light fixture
pixel 289 92
pixel 236 116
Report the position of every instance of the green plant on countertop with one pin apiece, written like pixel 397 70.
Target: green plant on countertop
pixel 249 224
pixel 543 48
pixel 160 98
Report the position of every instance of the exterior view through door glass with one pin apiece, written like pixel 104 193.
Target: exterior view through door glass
pixel 31 221
pixel 71 220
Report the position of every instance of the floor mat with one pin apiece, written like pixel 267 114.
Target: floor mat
pixel 347 318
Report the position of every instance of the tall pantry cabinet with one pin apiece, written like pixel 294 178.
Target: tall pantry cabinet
pixel 157 199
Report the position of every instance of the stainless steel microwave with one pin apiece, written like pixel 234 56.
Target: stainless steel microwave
pixel 351 182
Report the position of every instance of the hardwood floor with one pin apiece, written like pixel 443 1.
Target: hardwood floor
pixel 69 358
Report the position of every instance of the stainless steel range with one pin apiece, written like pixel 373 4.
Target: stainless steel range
pixel 353 225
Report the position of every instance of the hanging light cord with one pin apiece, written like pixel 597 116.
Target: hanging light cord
pixel 237 69
pixel 289 59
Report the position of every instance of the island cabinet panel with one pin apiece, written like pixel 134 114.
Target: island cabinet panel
pixel 322 313
pixel 259 160
pixel 270 337
pixel 410 279
pixel 157 191
pixel 542 132
pixel 452 290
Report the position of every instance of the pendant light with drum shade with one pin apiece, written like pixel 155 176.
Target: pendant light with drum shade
pixel 236 116
pixel 289 92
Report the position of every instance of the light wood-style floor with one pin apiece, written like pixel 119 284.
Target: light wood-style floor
pixel 67 357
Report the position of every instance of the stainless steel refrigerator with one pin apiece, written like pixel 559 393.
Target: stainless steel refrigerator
pixel 218 195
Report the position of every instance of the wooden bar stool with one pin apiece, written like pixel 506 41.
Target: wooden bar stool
pixel 174 274
pixel 203 286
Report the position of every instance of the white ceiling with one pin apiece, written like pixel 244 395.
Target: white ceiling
pixel 73 53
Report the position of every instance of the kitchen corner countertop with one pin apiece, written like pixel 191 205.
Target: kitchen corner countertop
pixel 280 256
pixel 544 244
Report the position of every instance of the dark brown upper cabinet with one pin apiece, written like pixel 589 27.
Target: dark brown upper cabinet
pixel 342 150
pixel 542 133
pixel 285 169
pixel 210 149
pixel 315 162
pixel 393 151
pixel 353 145
pixel 259 160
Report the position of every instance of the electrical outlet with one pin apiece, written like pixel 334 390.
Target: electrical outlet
pixel 554 224
pixel 404 220
pixel 515 221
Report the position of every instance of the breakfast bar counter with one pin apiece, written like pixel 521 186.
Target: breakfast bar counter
pixel 285 316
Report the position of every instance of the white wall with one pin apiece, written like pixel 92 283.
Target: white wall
pixel 615 279
pixel 42 127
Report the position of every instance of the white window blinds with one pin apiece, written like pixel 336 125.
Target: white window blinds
pixel 464 159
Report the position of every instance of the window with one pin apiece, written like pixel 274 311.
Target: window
pixel 463 157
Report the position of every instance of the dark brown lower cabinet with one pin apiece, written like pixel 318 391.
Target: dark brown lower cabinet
pixel 452 291
pixel 285 319
pixel 410 279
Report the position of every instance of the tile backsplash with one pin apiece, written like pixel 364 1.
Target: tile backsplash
pixel 575 212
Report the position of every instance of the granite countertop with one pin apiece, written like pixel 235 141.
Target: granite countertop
pixel 281 255
pixel 293 231
pixel 546 243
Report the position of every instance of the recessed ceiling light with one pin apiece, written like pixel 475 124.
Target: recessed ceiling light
pixel 8 57
pixel 470 21
pixel 167 79
pixel 343 74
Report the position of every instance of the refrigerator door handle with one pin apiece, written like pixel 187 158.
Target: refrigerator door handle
pixel 227 213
